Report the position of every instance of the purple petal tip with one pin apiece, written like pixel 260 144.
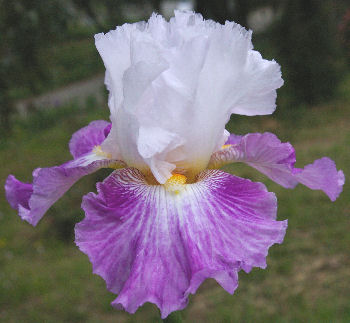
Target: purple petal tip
pixel 323 175
pixel 17 193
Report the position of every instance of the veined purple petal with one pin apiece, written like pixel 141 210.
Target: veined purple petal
pixel 86 138
pixel 152 245
pixel 266 153
pixel 49 184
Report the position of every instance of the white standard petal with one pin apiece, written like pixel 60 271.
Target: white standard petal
pixel 154 144
pixel 186 77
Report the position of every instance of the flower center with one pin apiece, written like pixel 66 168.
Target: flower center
pixel 175 183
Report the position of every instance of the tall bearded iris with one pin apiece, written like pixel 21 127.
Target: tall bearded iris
pixel 167 218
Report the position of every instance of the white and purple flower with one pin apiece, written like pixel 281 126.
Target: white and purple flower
pixel 167 218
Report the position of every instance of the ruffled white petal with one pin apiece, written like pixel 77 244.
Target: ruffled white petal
pixel 153 145
pixel 185 76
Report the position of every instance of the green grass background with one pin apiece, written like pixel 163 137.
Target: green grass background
pixel 63 63
pixel 45 278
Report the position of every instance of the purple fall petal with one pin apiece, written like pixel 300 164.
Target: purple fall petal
pixel 151 245
pixel 49 184
pixel 266 153
pixel 86 138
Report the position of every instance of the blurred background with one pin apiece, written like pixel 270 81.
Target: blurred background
pixel 51 84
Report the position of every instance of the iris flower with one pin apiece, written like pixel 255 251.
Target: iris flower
pixel 167 218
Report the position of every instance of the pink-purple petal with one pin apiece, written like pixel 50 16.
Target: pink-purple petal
pixel 86 138
pixel 323 175
pixel 49 184
pixel 266 153
pixel 17 193
pixel 107 129
pixel 151 245
pixel 233 139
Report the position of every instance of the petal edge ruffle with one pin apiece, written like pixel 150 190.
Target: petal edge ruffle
pixel 151 245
